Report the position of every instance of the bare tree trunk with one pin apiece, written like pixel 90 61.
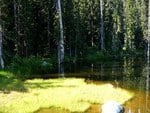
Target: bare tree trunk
pixel 148 38
pixel 91 22
pixel 1 54
pixel 102 26
pixel 48 27
pixel 77 29
pixel 61 42
pixel 17 27
pixel 26 31
pixel 148 52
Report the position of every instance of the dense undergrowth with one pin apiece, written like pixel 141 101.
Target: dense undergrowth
pixel 28 67
pixel 36 67
pixel 95 56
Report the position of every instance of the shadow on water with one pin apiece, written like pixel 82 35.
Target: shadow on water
pixel 128 73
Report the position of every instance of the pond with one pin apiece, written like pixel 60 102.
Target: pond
pixel 129 73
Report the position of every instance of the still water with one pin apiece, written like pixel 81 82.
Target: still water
pixel 131 74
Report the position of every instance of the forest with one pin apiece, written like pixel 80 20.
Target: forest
pixel 73 56
pixel 56 32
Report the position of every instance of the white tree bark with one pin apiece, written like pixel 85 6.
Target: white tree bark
pixel 102 26
pixel 1 38
pixel 148 52
pixel 61 42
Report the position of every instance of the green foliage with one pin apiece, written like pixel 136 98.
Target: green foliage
pixel 93 55
pixel 29 67
pixel 32 28
pixel 131 53
pixel 8 82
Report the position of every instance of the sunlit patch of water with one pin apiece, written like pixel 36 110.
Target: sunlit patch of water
pixel 130 74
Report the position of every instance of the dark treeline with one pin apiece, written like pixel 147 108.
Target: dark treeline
pixel 31 27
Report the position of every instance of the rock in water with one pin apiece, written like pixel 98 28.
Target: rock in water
pixel 112 107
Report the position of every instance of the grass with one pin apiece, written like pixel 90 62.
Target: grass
pixel 9 83
pixel 71 94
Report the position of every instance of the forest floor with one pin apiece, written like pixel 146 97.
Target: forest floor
pixel 72 94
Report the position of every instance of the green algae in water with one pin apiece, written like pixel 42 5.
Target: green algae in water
pixel 71 94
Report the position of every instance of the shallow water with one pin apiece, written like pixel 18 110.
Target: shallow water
pixel 131 74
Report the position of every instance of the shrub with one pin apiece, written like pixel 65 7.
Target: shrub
pixel 32 66
pixel 94 55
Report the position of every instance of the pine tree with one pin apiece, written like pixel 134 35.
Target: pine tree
pixel 130 11
pixel 117 25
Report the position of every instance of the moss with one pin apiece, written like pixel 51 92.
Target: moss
pixel 67 93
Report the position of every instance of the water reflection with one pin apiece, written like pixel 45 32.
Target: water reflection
pixel 131 74
pixel 128 73
pixel 139 104
pixel 147 84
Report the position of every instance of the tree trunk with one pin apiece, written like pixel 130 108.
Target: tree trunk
pixel 91 22
pixel 148 38
pixel 1 58
pixel 48 27
pixel 102 26
pixel 17 23
pixel 60 43
pixel 148 52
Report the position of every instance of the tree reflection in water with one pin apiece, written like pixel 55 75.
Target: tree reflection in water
pixel 140 84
